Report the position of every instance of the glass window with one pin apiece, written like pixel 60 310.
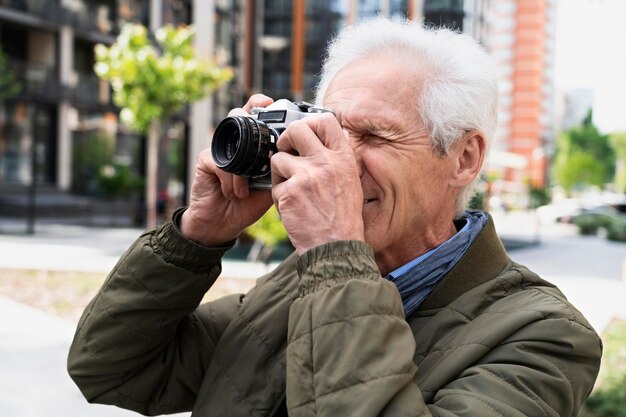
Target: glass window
pixel 27 134
pixel 172 170
pixel 324 19
pixel 399 9
pixel 227 40
pixel 446 13
pixel 276 46
pixel 92 15
pixel 368 9
pixel 133 11
pixel 431 5
pixel 177 12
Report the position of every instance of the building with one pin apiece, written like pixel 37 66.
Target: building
pixel 284 41
pixel 51 128
pixel 521 39
pixel 55 131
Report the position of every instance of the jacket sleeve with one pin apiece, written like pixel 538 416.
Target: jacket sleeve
pixel 143 343
pixel 351 352
pixel 350 348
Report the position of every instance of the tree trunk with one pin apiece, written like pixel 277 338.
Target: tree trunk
pixel 152 165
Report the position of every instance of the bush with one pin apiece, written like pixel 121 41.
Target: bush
pixel 117 180
pixel 477 202
pixel 609 396
pixel 610 400
pixel 616 229
pixel 589 224
pixel 538 196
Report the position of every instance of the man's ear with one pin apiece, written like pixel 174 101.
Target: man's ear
pixel 468 154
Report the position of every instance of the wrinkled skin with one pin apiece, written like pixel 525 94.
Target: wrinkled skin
pixel 368 173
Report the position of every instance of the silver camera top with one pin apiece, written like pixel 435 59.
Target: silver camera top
pixel 282 112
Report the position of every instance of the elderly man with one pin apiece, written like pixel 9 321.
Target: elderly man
pixel 397 301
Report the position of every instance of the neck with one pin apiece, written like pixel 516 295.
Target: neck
pixel 395 256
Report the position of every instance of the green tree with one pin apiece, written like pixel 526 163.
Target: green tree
pixel 151 82
pixel 584 157
pixel 268 233
pixel 618 140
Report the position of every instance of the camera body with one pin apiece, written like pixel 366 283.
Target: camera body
pixel 243 145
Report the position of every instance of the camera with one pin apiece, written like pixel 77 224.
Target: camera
pixel 243 145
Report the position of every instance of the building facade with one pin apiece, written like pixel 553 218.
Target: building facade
pixel 521 38
pixel 285 40
pixel 51 130
pixel 281 45
pixel 62 125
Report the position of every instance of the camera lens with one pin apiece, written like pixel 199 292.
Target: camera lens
pixel 243 146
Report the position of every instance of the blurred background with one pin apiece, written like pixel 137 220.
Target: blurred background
pixel 61 136
pixel 81 178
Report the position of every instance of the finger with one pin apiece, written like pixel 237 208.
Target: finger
pixel 257 100
pixel 240 186
pixel 330 132
pixel 226 182
pixel 238 112
pixel 284 166
pixel 299 139
pixel 311 135
pixel 205 162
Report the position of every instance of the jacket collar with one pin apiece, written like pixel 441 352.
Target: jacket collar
pixel 483 261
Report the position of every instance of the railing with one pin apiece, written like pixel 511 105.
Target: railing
pixel 37 80
pixel 49 10
pixel 90 89
pixel 91 16
pixel 85 15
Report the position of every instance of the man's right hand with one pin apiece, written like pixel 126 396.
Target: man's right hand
pixel 221 205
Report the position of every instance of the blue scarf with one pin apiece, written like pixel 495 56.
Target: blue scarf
pixel 417 278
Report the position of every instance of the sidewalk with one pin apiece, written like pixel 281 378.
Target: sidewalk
pixel 34 345
pixel 86 249
pixel 34 381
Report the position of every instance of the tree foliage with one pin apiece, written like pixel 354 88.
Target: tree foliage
pixel 118 180
pixel 584 157
pixel 269 229
pixel 618 140
pixel 151 81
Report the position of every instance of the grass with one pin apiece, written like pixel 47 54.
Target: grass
pixel 66 294
pixel 63 294
pixel 609 396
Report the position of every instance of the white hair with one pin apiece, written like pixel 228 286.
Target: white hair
pixel 458 79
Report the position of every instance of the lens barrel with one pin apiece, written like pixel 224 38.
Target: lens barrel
pixel 243 146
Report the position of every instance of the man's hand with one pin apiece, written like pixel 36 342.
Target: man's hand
pixel 316 185
pixel 221 205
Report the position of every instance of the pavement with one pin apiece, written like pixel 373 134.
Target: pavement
pixel 34 345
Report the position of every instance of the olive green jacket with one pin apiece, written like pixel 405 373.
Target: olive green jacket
pixel 325 335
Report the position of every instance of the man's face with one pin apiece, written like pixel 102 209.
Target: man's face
pixel 408 202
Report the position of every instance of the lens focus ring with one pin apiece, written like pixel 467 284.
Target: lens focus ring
pixel 243 146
